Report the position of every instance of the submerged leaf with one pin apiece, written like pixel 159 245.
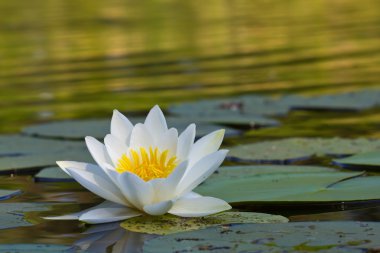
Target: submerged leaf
pixel 169 224
pixel 287 237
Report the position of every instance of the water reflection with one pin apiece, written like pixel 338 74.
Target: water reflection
pixel 111 238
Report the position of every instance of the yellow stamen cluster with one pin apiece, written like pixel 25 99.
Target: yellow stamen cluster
pixel 146 164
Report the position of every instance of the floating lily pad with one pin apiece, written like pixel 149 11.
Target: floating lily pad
pixel 370 160
pixel 286 237
pixel 6 194
pixel 238 120
pixel 169 224
pixel 294 149
pixel 243 105
pixel 13 214
pixel 26 163
pixel 52 174
pixel 35 248
pixel 78 129
pixel 353 101
pixel 18 145
pixel 238 187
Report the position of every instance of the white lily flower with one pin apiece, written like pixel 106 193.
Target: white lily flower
pixel 147 168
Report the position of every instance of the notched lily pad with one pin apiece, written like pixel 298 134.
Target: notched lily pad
pixel 241 188
pixel 13 214
pixel 6 194
pixel 52 174
pixel 35 248
pixel 370 160
pixel 170 224
pixel 287 237
pixel 78 129
pixel 289 150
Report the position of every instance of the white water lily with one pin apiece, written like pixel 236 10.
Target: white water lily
pixel 148 169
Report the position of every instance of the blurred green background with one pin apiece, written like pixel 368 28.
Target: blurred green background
pixel 83 58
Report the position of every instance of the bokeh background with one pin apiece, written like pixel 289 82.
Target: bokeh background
pixel 82 58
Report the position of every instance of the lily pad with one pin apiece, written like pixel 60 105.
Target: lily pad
pixel 26 163
pixel 252 121
pixel 316 187
pixel 370 160
pixel 286 237
pixel 244 105
pixel 169 224
pixel 52 174
pixel 13 214
pixel 6 194
pixel 78 129
pixel 293 149
pixel 353 101
pixel 35 248
pixel 18 145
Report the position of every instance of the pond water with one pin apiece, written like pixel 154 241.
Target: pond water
pixel 81 59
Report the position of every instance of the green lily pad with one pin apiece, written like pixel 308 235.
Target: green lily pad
pixel 6 194
pixel 18 145
pixel 370 160
pixel 283 237
pixel 294 149
pixel 169 224
pixel 78 129
pixel 25 153
pixel 52 174
pixel 238 120
pixel 35 248
pixel 238 187
pixel 353 101
pixel 30 162
pixel 13 214
pixel 243 105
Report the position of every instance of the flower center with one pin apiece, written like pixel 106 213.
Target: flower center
pixel 147 164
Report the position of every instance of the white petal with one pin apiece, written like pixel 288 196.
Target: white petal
pixel 97 150
pixel 115 147
pixel 200 171
pixel 111 172
pixel 168 141
pixel 185 142
pixel 165 188
pixel 155 122
pixel 141 137
pixel 114 175
pixel 75 216
pixel 158 208
pixel 137 191
pixel 121 127
pixel 94 179
pixel 206 145
pixel 196 207
pixel 108 214
pixel 191 195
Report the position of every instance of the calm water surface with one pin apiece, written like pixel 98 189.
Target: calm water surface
pixel 81 59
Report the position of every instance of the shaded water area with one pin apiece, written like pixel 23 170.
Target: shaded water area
pixel 82 59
